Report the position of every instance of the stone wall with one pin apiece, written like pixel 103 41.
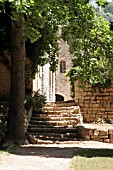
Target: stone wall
pixel 95 103
pixel 95 132
pixel 4 83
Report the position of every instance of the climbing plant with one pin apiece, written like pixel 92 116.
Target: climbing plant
pixel 91 43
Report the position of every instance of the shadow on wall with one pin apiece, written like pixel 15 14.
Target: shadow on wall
pixel 59 97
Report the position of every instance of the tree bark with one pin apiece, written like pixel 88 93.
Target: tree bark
pixel 15 123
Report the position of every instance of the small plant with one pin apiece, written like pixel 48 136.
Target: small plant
pixel 103 121
pixel 29 102
pixel 110 121
pixel 40 101
pixel 35 101
pixel 100 121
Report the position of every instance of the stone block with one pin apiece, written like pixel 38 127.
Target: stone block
pixel 111 136
pixel 93 102
pixel 87 137
pixel 78 95
pixel 103 136
pixel 110 116
pixel 110 131
pixel 96 132
pixel 102 109
pixel 86 105
pixel 94 137
pixel 98 101
pixel 109 109
pixel 107 140
pixel 91 132
pixel 95 109
pixel 97 139
pixel 103 132
pixel 85 115
pixel 111 140
pixel 104 116
pixel 111 93
pixel 90 120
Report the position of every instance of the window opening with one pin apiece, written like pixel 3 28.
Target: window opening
pixel 62 66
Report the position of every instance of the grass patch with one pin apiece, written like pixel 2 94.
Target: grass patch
pixel 93 159
pixel 4 152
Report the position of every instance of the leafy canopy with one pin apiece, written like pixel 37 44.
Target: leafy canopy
pixel 88 36
pixel 42 20
pixel 91 45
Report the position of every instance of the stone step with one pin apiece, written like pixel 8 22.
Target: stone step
pixel 61 104
pixel 51 126
pixel 71 108
pixel 57 122
pixel 51 130
pixel 55 118
pixel 55 136
pixel 54 123
pixel 56 114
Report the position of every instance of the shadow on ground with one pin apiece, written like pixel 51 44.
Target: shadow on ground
pixel 45 151
pixel 61 152
pixel 89 153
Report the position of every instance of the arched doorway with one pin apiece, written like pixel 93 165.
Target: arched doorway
pixel 59 97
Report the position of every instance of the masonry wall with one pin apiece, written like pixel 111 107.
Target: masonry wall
pixel 95 103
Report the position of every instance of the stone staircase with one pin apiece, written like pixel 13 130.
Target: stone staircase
pixel 56 123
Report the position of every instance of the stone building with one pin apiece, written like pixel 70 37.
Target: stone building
pixel 45 82
pixel 55 86
pixel 62 86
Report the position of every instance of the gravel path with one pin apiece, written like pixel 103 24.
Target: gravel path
pixel 46 157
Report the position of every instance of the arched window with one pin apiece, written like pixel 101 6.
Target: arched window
pixel 62 66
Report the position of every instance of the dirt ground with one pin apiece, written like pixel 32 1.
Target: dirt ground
pixel 46 157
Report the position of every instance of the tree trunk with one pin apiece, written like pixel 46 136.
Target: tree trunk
pixel 15 124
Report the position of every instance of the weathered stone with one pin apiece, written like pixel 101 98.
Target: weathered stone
pixel 103 136
pixel 94 136
pixel 96 132
pixel 111 136
pixel 91 132
pixel 87 137
pixel 107 140
pixel 31 139
pixel 111 140
pixel 103 132
pixel 110 131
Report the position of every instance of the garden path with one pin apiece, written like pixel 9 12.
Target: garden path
pixel 46 157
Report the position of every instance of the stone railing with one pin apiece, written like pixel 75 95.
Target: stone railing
pixel 95 103
pixel 101 133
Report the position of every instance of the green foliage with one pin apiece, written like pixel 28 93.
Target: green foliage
pixel 42 20
pixel 91 44
pixel 109 8
pixel 102 3
pixel 35 102
pixel 88 36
